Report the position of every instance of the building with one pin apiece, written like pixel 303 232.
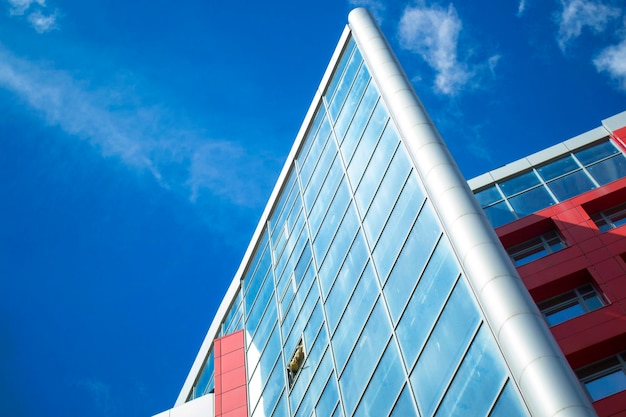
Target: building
pixel 558 214
pixel 374 283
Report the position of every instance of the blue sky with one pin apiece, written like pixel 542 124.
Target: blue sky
pixel 139 142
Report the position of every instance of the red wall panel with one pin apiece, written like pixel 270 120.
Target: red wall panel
pixel 591 256
pixel 231 398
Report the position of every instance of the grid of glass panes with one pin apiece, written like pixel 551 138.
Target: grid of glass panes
pixel 536 248
pixel 604 378
pixel 352 264
pixel 610 218
pixel 571 304
pixel 553 182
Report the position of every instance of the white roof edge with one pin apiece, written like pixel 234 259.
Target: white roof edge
pixel 615 122
pixel 235 284
pixel 547 154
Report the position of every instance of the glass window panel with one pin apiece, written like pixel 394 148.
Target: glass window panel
pixel 264 356
pixel 263 333
pixel 205 382
pixel 571 185
pixel 564 314
pixel 341 66
pixel 365 356
pixel 519 183
pixel 315 388
pixel 442 353
pixel 354 316
pixel 299 299
pixel 404 406
pixel 361 117
pixel 256 279
pixel 303 316
pixel 367 144
pixel 308 165
pixel 337 216
pixel 257 263
pixel 352 101
pixel 419 244
pixel 557 168
pixel 281 408
pixel 386 195
pixel 427 301
pixel 375 169
pixel 606 385
pixel 335 191
pixel 509 404
pixel 346 281
pixel 477 382
pixel 488 196
pixel 536 248
pixel 322 170
pixel 531 201
pixel 609 170
pixel 272 391
pixel 385 385
pixel 328 399
pixel 345 83
pixel 266 292
pixel 309 140
pixel 499 214
pixel 283 207
pixel 287 260
pixel 337 252
pixel 318 354
pixel 303 263
pixel 595 153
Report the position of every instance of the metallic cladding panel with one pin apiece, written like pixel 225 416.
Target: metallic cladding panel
pixel 540 370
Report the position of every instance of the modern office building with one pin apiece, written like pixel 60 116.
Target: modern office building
pixel 558 214
pixel 375 285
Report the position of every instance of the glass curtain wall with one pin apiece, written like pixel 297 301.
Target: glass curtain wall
pixel 353 266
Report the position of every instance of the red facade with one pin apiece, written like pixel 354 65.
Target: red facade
pixel 590 257
pixel 230 376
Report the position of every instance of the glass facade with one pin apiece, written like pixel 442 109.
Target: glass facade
pixel 552 182
pixel 353 266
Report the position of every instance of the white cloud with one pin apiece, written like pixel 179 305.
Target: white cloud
pixel 521 8
pixel 433 34
pixel 19 7
pixel 179 158
pixel 42 23
pixel 578 14
pixel 36 13
pixel 612 60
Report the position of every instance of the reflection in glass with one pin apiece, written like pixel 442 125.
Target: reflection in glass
pixel 531 201
pixel 443 351
pixel 478 380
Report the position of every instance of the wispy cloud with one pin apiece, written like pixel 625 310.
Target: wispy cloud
pixel 433 33
pixel 43 23
pixel 19 7
pixel 521 8
pixel 37 13
pixel 181 158
pixel 612 60
pixel 576 15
